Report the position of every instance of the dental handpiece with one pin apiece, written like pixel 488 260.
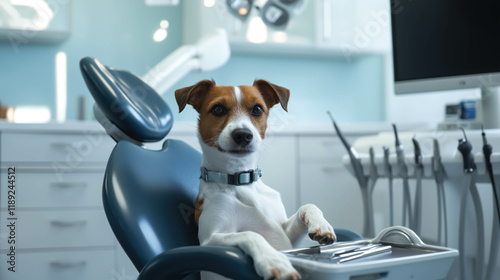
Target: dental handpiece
pixel 419 170
pixel 353 155
pixel 465 148
pixel 388 173
pixel 439 176
pixel 403 172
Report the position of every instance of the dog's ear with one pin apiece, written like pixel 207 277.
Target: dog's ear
pixel 273 94
pixel 193 95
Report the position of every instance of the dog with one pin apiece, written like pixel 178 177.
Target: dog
pixel 234 207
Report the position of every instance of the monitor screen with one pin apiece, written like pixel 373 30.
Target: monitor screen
pixel 434 39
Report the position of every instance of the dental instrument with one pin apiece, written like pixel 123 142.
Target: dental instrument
pixel 403 173
pixel 361 178
pixel 439 176
pixel 419 172
pixel 372 180
pixel 495 233
pixel 388 174
pixel 487 151
pixel 465 148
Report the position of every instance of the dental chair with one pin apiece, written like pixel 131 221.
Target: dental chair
pixel 149 195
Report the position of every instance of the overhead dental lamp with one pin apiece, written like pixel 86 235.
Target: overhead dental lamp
pixel 274 13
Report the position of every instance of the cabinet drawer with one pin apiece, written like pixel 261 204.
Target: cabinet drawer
pixel 67 149
pixel 50 190
pixel 59 229
pixel 74 265
pixel 327 148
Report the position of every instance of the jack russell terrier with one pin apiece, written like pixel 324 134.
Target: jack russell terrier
pixel 234 207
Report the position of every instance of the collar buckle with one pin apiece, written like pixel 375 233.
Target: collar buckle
pixel 237 179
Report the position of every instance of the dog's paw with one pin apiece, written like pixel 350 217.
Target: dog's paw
pixel 276 266
pixel 318 228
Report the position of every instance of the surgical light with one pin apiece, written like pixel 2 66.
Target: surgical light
pixel 240 8
pixel 274 13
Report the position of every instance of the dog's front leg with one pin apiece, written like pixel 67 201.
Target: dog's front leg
pixel 309 219
pixel 268 262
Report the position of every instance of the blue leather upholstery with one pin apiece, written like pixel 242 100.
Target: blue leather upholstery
pixel 127 101
pixel 148 195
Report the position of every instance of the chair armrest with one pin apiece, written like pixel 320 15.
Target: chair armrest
pixel 177 263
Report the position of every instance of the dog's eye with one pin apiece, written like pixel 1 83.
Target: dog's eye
pixel 257 110
pixel 218 110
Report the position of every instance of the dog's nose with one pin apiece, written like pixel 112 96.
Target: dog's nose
pixel 242 136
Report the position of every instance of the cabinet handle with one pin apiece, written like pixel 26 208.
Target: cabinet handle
pixel 69 184
pixel 62 223
pixel 62 145
pixel 67 264
pixel 327 20
pixel 328 169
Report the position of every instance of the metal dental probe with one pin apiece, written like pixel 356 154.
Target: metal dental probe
pixel 358 173
pixel 495 233
pixel 388 174
pixel 403 172
pixel 419 170
pixel 439 176
pixel 465 149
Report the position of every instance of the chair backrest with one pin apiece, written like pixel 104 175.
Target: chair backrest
pixel 127 101
pixel 148 196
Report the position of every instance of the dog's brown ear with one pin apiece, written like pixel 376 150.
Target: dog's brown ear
pixel 193 95
pixel 273 94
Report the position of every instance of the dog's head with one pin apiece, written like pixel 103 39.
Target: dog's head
pixel 232 119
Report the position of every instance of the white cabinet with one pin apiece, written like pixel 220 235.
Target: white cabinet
pixel 325 27
pixel 325 182
pixel 355 27
pixel 51 201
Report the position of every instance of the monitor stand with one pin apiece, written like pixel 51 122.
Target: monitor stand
pixel 490 106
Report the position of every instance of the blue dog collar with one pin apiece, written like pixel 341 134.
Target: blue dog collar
pixel 237 179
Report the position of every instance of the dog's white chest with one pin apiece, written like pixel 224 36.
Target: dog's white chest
pixel 256 208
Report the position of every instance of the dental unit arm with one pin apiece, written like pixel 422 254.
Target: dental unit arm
pixel 209 53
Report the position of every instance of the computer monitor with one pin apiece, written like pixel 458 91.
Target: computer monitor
pixel 447 45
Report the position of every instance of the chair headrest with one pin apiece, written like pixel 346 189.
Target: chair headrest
pixel 127 101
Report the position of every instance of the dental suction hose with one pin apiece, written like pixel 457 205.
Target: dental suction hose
pixel 495 232
pixel 465 148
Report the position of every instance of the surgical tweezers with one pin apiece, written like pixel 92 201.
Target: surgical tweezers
pixel 363 252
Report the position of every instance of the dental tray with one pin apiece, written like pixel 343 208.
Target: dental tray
pixel 396 253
